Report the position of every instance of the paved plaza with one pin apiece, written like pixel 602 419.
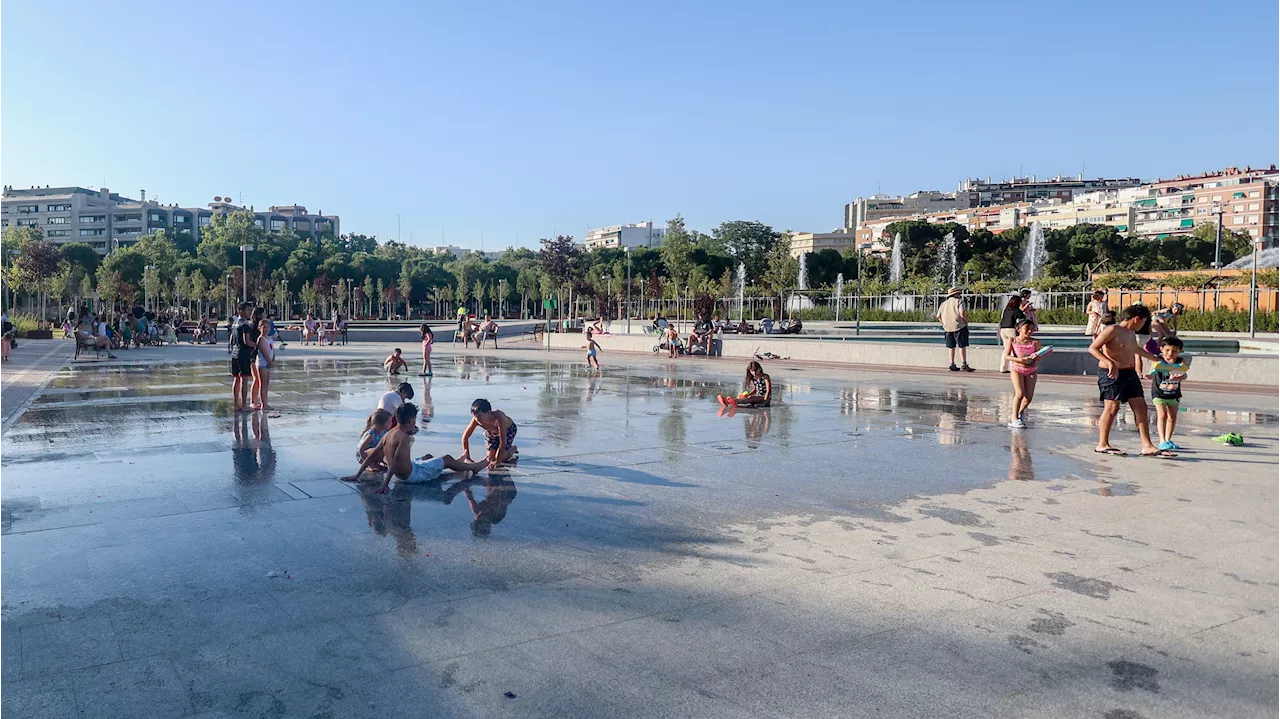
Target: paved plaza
pixel 876 544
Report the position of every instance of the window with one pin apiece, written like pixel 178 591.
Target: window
pixel 1254 193
pixel 59 233
pixel 277 225
pixel 92 233
pixel 129 218
pixel 88 219
pixel 1238 208
pixel 28 223
pixel 1253 232
pixel 57 208
pixel 128 230
pixel 205 220
pixel 58 221
pixel 1238 220
pixel 28 209
pixel 181 219
pixel 1253 219
pixel 156 216
pixel 258 222
pixel 302 224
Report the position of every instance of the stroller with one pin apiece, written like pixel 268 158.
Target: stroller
pixel 663 343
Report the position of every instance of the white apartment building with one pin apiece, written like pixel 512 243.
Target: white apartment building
pixel 640 234
pixel 106 220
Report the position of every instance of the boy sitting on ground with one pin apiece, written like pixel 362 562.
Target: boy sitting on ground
pixel 396 449
pixel 394 362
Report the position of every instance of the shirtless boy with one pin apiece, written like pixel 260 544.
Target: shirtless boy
pixel 1116 348
pixel 499 433
pixel 397 447
pixel 395 362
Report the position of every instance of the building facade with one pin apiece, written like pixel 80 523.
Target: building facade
pixel 1248 200
pixel 868 209
pixel 978 193
pixel 640 234
pixel 105 220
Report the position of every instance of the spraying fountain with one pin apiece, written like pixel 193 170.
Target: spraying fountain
pixel 897 303
pixel 742 289
pixel 946 271
pixel 799 301
pixel 895 260
pixel 839 293
pixel 1035 256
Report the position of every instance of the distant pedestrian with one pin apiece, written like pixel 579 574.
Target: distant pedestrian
pixel 955 328
pixel 1096 309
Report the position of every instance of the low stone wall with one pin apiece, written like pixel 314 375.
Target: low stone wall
pixel 1236 369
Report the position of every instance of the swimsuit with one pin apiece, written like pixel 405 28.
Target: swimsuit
pixel 375 435
pixel 1024 351
pixel 491 438
pixel 1126 386
pixel 425 470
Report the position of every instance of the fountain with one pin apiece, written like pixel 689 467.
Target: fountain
pixel 799 301
pixel 946 270
pixel 1035 256
pixel 742 288
pixel 895 260
pixel 839 293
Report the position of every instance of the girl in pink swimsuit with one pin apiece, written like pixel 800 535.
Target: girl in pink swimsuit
pixel 428 339
pixel 1019 352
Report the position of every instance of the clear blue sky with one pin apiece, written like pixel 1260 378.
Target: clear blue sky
pixel 519 119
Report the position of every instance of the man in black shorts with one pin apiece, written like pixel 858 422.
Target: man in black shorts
pixel 1116 349
pixel 244 343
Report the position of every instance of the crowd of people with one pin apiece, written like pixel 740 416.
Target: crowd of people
pixel 136 328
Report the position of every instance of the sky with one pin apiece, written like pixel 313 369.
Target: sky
pixel 499 123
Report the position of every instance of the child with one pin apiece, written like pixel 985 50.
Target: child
pixel 499 433
pixel 1108 319
pixel 1117 350
pixel 758 389
pixel 395 451
pixel 428 339
pixel 394 362
pixel 591 347
pixel 1166 389
pixel 1020 352
pixel 673 341
pixel 378 424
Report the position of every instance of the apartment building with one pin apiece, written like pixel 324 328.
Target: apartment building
pixel 805 242
pixel 1248 199
pixel 869 209
pixel 979 193
pixel 106 220
pixel 640 234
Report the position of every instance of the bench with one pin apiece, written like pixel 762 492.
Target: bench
pixel 87 344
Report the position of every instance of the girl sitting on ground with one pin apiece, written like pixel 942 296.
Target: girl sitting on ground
pixel 757 392
pixel 374 428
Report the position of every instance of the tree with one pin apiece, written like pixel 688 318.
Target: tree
pixel 199 288
pixel 823 266
pixel 781 269
pixel 108 285
pixel 81 255
pixel 749 243
pixel 677 248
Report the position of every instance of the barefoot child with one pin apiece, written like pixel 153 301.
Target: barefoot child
pixel 1020 352
pixel 591 347
pixel 375 428
pixel 394 362
pixel 428 339
pixel 1166 389
pixel 395 450
pixel 758 392
pixel 499 433
pixel 1116 349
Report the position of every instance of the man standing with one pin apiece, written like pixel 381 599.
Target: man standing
pixel 1116 349
pixel 244 340
pixel 955 328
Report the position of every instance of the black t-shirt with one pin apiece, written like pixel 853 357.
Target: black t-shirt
pixel 702 327
pixel 246 340
pixel 1009 318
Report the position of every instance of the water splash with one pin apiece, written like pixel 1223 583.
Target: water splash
pixel 895 260
pixel 946 270
pixel 742 288
pixel 839 293
pixel 1036 255
pixel 802 277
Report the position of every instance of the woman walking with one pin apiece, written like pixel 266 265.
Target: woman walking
pixel 1096 309
pixel 1009 320
pixel 428 339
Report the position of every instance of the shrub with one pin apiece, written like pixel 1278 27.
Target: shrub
pixel 22 324
pixel 1225 320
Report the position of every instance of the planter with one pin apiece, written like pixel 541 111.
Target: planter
pixel 39 334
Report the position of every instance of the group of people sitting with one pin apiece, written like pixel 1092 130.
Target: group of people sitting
pixel 386 444
pixel 121 330
pixel 314 329
pixel 469 329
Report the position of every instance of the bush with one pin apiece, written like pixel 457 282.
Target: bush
pixel 22 324
pixel 1225 320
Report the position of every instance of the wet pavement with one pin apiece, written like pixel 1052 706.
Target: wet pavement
pixel 872 545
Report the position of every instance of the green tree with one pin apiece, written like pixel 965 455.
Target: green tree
pixel 781 269
pixel 676 252
pixel 82 256
pixel 748 242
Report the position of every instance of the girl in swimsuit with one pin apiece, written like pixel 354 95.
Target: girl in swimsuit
pixel 374 429
pixel 1019 352
pixel 758 390
pixel 428 339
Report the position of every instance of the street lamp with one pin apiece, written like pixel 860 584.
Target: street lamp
pixel 1217 240
pixel 284 297
pixel 146 304
pixel 244 271
pixel 627 250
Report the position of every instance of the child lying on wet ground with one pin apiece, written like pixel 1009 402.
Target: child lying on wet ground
pixel 395 450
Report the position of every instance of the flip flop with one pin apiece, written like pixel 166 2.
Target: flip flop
pixel 1112 451
pixel 1162 453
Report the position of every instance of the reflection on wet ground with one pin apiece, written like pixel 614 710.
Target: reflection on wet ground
pixel 825 445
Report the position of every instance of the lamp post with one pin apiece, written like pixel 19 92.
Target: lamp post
pixel 146 303
pixel 284 297
pixel 1253 293
pixel 857 304
pixel 627 250
pixel 244 271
